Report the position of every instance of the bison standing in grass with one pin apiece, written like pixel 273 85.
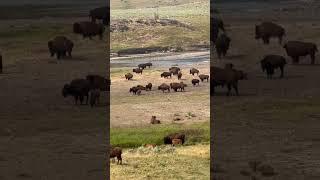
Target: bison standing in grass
pixel 60 46
pixel 88 29
pixel 128 76
pixel 166 74
pixel 195 82
pixel 148 64
pixel 222 45
pixel 295 49
pixel 78 88
pixel 137 70
pixel 134 90
pixel 154 120
pixel 194 71
pixel 174 70
pixel 142 66
pixel 179 75
pixel 148 87
pixel 271 62
pixel 116 152
pixel 164 87
pixel 204 77
pixel 267 30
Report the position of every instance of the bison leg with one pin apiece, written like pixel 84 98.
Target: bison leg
pixel 76 100
pixel 58 55
pixel 312 55
pixel 119 159
pixel 235 87
pixel 229 89
pixel 281 69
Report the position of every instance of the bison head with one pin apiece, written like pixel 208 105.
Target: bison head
pixel 77 28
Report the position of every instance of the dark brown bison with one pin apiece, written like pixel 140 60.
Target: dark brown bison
pixel 271 62
pixel 195 82
pixel 166 74
pixel 78 88
pixel 154 120
pixel 128 76
pixel 267 30
pixel 177 68
pixel 163 87
pixel 204 77
pixel 175 86
pixel 179 75
pixel 229 77
pixel 116 152
pixel 98 82
pixel 149 86
pixel 168 139
pixel 174 70
pixel 222 45
pixel 94 97
pixel 194 71
pixel 60 46
pixel 295 49
pixel 101 13
pixel 142 66
pixel 215 25
pixel 134 90
pixel 137 70
pixel 148 64
pixel 1 64
pixel 88 29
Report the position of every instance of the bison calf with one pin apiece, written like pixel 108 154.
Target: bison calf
pixel 266 30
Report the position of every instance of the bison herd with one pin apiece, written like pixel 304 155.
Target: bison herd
pixel 229 76
pixel 173 71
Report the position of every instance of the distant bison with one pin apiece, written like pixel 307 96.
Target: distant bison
pixel 222 45
pixel 168 139
pixel 166 74
pixel 179 75
pixel 195 81
pixel 142 88
pixel 194 71
pixel 295 49
pixel 175 86
pixel 88 29
pixel 204 77
pixel 101 13
pixel 142 66
pixel 60 46
pixel 134 90
pixel 176 142
pixel 148 64
pixel 149 86
pixel 78 88
pixel 267 30
pixel 116 152
pixel 128 76
pixel 164 87
pixel 154 120
pixel 174 70
pixel 271 62
pixel 137 70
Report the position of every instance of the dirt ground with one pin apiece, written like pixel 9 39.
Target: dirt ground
pixel 42 134
pixel 273 121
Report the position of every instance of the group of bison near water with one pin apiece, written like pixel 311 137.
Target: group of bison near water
pixel 229 76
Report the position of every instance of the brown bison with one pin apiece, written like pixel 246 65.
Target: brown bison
pixel 267 30
pixel 142 88
pixel 94 97
pixel 98 82
pixel 134 90
pixel 137 70
pixel 295 49
pixel 175 86
pixel 222 45
pixel 174 70
pixel 101 13
pixel 168 139
pixel 78 88
pixel 194 71
pixel 163 87
pixel 195 82
pixel 142 66
pixel 148 64
pixel 154 120
pixel 88 29
pixel 60 46
pixel 271 62
pixel 116 152
pixel 204 77
pixel 179 75
pixel 149 86
pixel 166 74
pixel 128 76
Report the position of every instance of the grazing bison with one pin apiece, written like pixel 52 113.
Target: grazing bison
pixel 60 45
pixel 267 30
pixel 176 142
pixel 203 77
pixel 271 62
pixel 148 64
pixel 1 64
pixel 134 90
pixel 78 88
pixel 142 66
pixel 195 82
pixel 295 49
pixel 101 13
pixel 179 75
pixel 168 139
pixel 166 74
pixel 98 82
pixel 229 77
pixel 175 86
pixel 215 25
pixel 148 86
pixel 194 71
pixel 137 70
pixel 116 152
pixel 128 76
pixel 174 70
pixel 164 87
pixel 222 45
pixel 94 97
pixel 154 120
pixel 88 29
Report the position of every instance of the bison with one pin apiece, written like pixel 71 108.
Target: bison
pixel 88 29
pixel 148 64
pixel 271 62
pixel 128 76
pixel 149 86
pixel 194 71
pixel 203 77
pixel 164 87
pixel 267 30
pixel 101 13
pixel 168 139
pixel 137 70
pixel 78 88
pixel 60 46
pixel 174 70
pixel 295 49
pixel 154 120
pixel 166 74
pixel 179 75
pixel 116 152
pixel 142 66
pixel 175 86
pixel 222 45
pixel 195 82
